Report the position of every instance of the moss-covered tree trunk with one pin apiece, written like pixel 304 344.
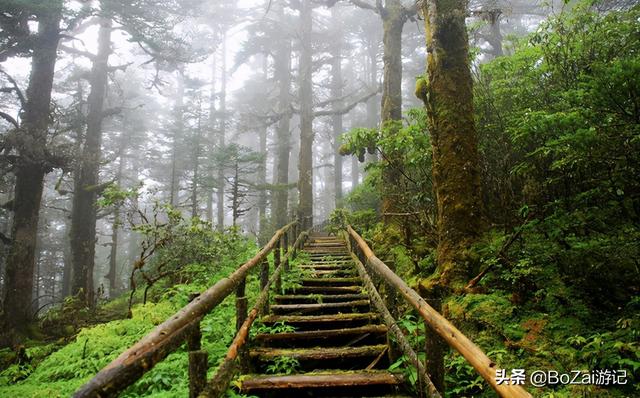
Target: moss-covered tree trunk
pixel 83 212
pixel 448 97
pixel 30 171
pixel 305 162
pixel 394 16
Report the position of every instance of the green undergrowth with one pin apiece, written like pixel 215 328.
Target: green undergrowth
pixel 57 371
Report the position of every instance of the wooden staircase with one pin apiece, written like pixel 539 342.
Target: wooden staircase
pixel 337 345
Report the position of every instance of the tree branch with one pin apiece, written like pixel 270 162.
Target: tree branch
pixel 364 5
pixel 16 88
pixel 7 205
pixel 9 119
pixel 5 239
pixel 75 51
pixel 347 108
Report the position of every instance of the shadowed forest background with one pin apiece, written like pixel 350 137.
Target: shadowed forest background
pixel 147 148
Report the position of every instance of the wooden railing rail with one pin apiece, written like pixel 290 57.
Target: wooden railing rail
pixel 424 381
pixel 233 360
pixel 183 326
pixel 449 333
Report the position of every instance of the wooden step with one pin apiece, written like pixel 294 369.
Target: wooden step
pixel 321 334
pixel 318 298
pixel 327 289
pixel 322 321
pixel 328 266
pixel 331 281
pixel 345 306
pixel 321 380
pixel 338 272
pixel 326 244
pixel 321 254
pixel 318 353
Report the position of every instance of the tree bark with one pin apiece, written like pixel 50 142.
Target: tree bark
pixel 178 129
pixel 372 104
pixel 212 130
pixel 196 166
pixel 222 132
pixel 282 66
pixel 393 20
pixel 305 162
pixel 336 119
pixel 449 100
pixel 83 213
pixel 112 276
pixel 30 171
pixel 262 170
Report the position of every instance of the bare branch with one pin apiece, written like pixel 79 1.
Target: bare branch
pixel 5 239
pixel 16 88
pixel 365 5
pixel 75 51
pixel 7 205
pixel 9 119
pixel 348 108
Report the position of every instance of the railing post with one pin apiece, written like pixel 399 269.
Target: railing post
pixel 434 345
pixel 198 360
pixel 241 316
pixel 285 244
pixel 391 295
pixel 264 279
pixel 241 304
pixel 198 366
pixel 276 263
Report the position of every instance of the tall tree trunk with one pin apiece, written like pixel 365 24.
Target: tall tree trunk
pixel 448 97
pixel 495 35
pixel 282 66
pixel 112 275
pixel 178 130
pixel 30 171
pixel 223 131
pixel 262 182
pixel 336 119
pixel 83 213
pixel 456 175
pixel 235 194
pixel 79 125
pixel 262 167
pixel 393 19
pixel 212 135
pixel 305 162
pixel 373 106
pixel 68 264
pixel 196 166
pixel 355 172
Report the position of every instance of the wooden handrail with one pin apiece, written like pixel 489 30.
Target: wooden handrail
pixel 449 333
pixel 171 334
pixel 392 325
pixel 220 380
